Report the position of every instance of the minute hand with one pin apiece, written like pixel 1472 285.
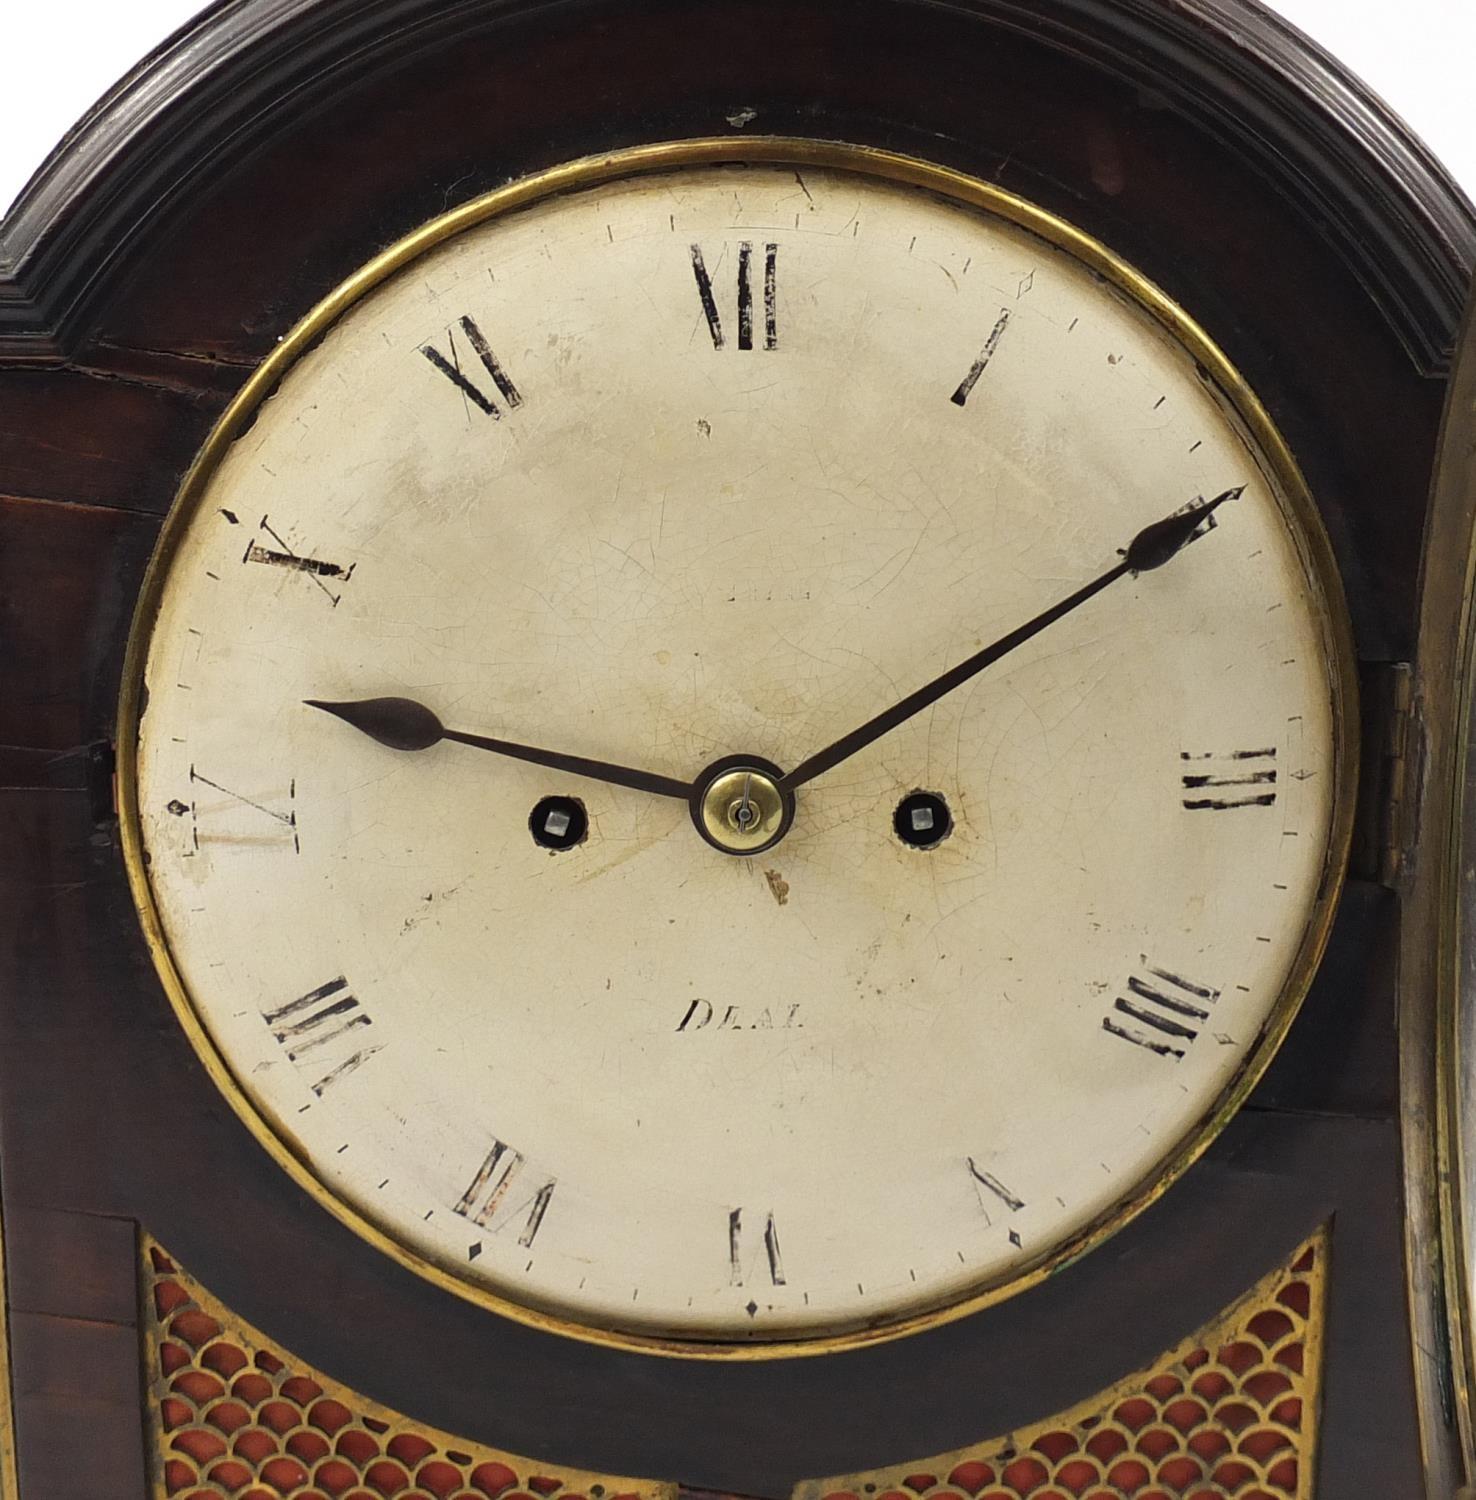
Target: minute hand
pixel 1151 548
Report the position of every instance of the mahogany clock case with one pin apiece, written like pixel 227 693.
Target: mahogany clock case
pixel 272 148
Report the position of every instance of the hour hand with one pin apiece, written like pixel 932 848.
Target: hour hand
pixel 404 724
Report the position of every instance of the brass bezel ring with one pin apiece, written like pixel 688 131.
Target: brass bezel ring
pixel 1265 446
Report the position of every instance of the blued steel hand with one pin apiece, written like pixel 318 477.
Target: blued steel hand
pixel 1151 548
pixel 403 724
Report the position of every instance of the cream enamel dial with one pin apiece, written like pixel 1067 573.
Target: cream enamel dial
pixel 719 460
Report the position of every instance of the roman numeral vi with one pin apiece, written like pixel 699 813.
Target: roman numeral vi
pixel 745 297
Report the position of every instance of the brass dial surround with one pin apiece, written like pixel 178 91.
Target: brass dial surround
pixel 1236 395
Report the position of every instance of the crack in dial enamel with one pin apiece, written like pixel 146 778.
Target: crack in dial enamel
pixel 594 476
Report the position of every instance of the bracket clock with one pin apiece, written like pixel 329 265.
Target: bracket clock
pixel 733 762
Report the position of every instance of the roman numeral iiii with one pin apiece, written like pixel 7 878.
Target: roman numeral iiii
pixel 321 1034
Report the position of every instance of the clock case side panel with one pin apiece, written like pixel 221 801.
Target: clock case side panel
pixel 1438 979
pixel 476 94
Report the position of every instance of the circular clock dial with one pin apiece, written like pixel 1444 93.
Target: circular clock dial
pixel 691 474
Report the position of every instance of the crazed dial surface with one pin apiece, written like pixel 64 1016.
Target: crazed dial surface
pixel 713 461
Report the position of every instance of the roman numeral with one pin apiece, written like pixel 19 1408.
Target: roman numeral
pixel 238 820
pixel 282 556
pixel 745 297
pixel 736 1271
pixel 490 1202
pixel 987 1182
pixel 451 369
pixel 1167 1004
pixel 319 1032
pixel 1216 783
pixel 967 384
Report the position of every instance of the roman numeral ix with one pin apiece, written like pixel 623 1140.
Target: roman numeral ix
pixel 319 1032
pixel 450 367
pixel 1216 783
pixel 1161 1011
pixel 213 821
pixel 491 1203
pixel 745 297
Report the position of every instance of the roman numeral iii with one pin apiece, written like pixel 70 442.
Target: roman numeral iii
pixel 746 277
pixel 321 1034
pixel 491 1202
pixel 450 366
pixel 1216 783
pixel 1161 1012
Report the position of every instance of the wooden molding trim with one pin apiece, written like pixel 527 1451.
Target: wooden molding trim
pixel 217 87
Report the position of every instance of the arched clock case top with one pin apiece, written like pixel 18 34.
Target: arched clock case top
pixel 234 72
pixel 155 263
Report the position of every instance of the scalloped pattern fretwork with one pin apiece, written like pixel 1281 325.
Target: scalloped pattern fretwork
pixel 1230 1414
pixel 232 1418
